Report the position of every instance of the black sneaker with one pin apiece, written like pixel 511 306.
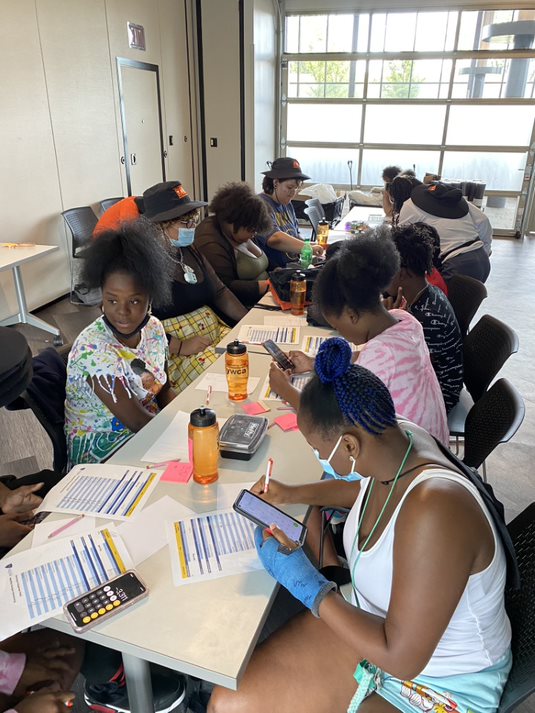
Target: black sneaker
pixel 168 692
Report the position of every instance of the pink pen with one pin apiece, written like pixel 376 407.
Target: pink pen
pixel 208 395
pixel 269 468
pixel 65 526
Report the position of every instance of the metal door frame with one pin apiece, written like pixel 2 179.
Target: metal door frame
pixel 123 62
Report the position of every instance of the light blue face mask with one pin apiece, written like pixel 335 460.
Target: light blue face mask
pixel 329 470
pixel 185 238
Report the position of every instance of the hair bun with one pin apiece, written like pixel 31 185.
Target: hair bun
pixel 333 360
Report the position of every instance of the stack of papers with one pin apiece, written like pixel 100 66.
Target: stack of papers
pixel 258 333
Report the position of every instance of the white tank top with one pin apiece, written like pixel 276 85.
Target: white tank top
pixel 479 632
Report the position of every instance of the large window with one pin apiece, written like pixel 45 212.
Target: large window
pixel 442 91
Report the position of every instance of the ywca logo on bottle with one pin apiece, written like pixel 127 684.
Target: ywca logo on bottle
pixel 237 370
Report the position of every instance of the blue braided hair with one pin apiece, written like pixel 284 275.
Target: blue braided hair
pixel 341 393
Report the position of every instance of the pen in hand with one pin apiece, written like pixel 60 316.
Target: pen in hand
pixel 269 468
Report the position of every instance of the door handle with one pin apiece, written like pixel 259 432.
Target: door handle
pixel 133 159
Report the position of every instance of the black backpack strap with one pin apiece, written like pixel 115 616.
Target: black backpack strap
pixel 496 511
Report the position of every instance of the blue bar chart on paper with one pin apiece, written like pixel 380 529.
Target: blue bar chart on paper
pixel 210 546
pixel 35 584
pixel 258 333
pixel 102 490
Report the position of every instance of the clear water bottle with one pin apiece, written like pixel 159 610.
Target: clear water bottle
pixel 306 254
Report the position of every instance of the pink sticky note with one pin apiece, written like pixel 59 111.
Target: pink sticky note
pixel 254 409
pixel 177 473
pixel 288 422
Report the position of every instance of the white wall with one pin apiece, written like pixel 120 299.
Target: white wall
pixel 61 139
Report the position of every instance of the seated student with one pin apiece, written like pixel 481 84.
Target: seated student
pixel 227 241
pixel 465 231
pixel 430 307
pixel 348 292
pixel 389 173
pixel 281 183
pixel 37 669
pixel 202 309
pixel 107 399
pixel 400 189
pixel 435 276
pixel 426 628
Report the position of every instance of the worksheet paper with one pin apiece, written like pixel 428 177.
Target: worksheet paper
pixel 258 333
pixel 113 491
pixel 36 583
pixel 284 320
pixel 218 382
pixel 311 345
pixel 298 381
pixel 213 545
pixel 151 520
pixel 48 526
pixel 172 443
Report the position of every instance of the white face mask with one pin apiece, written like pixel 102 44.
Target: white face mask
pixel 327 467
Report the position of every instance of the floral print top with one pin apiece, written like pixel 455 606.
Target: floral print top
pixel 93 433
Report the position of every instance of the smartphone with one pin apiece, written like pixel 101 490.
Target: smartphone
pixel 36 519
pixel 102 602
pixel 264 514
pixel 280 357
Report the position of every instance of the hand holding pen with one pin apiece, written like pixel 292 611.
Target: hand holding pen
pixel 269 468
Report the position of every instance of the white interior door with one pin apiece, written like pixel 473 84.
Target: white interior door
pixel 142 126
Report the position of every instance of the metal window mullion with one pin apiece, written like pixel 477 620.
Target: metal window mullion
pixel 283 117
pixel 513 101
pixel 469 148
pixel 450 54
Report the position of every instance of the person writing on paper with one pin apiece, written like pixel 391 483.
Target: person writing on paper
pixel 117 370
pixel 392 344
pixel 281 183
pixel 426 622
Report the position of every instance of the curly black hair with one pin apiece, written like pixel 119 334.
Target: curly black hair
pixel 400 190
pixel 390 172
pixel 137 249
pixel 238 205
pixel 415 248
pixel 357 274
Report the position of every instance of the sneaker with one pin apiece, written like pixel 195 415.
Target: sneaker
pixel 168 691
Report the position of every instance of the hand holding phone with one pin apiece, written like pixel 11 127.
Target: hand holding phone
pixel 278 355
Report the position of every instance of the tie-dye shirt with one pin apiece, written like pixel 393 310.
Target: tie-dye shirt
pixel 400 358
pixel 93 432
pixel 283 219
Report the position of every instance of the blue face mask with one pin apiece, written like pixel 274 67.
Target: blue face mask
pixel 185 238
pixel 329 470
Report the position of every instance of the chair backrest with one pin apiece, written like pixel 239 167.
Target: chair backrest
pixel 521 610
pixel 81 222
pixel 486 348
pixel 494 419
pixel 45 396
pixel 314 217
pixel 316 203
pixel 107 203
pixel 465 295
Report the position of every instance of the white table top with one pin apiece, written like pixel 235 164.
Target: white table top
pixel 11 257
pixel 209 629
pixel 358 212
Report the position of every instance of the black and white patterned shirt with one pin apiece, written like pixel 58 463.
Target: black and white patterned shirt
pixel 443 338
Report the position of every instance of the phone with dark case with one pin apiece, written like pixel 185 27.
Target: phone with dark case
pixel 102 602
pixel 280 357
pixel 264 514
pixel 36 519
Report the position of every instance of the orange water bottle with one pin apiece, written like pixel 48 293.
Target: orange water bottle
pixel 237 368
pixel 298 291
pixel 203 432
pixel 323 233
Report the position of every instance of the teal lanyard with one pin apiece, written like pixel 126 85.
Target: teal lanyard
pixel 367 675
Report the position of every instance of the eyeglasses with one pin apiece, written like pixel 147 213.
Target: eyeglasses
pixel 293 187
pixel 190 222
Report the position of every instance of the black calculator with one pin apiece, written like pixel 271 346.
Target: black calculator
pixel 104 601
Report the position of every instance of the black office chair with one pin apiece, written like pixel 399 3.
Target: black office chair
pixel 465 295
pixel 494 419
pixel 521 611
pixel 486 348
pixel 81 223
pixel 45 396
pixel 314 216
pixel 107 203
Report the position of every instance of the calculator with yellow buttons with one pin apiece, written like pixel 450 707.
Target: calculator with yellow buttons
pixel 102 602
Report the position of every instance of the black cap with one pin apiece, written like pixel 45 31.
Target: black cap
pixel 168 201
pixel 299 276
pixel 440 199
pixel 286 168
pixel 15 365
pixel 202 417
pixel 236 347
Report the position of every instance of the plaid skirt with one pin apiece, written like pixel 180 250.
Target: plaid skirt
pixel 202 322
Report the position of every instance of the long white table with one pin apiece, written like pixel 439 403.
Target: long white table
pixel 210 629
pixel 12 258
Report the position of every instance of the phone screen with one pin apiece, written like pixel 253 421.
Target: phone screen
pixel 265 515
pixel 280 357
